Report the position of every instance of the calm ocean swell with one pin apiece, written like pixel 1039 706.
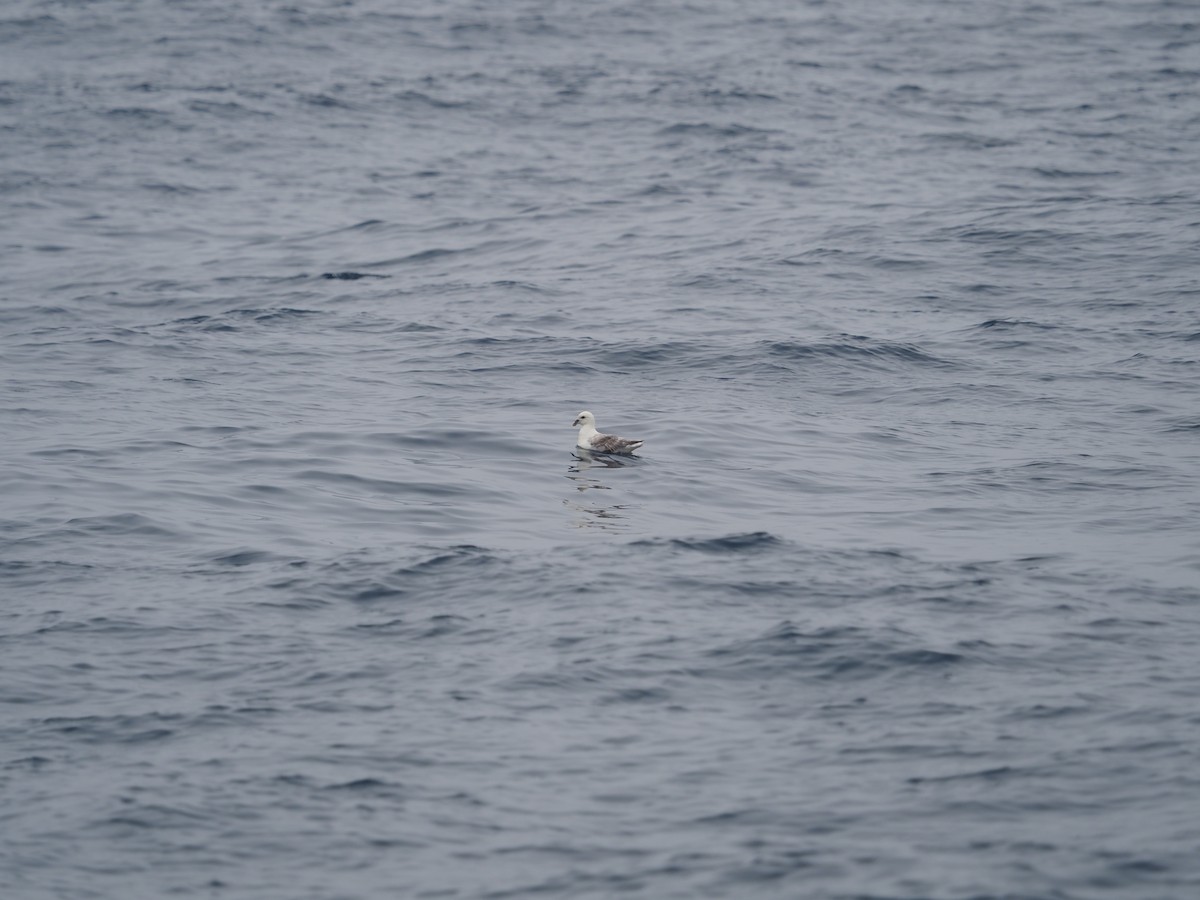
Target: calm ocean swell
pixel 304 593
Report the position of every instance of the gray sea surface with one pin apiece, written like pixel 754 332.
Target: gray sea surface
pixel 306 595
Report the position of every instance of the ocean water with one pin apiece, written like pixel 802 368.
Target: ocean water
pixel 305 595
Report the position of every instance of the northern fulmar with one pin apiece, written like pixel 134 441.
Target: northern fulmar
pixel 591 439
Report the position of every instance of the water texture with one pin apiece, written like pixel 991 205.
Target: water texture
pixel 305 596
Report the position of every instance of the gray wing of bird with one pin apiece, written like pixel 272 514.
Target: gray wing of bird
pixel 610 443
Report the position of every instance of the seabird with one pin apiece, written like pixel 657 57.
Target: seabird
pixel 590 439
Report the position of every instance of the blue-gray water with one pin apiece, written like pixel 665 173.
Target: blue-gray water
pixel 304 595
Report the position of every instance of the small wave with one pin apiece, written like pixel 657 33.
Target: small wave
pixel 1007 324
pixel 240 319
pixel 69 452
pixel 227 110
pixel 376 787
pixel 996 774
pixel 1046 172
pixel 1010 237
pixel 240 558
pixel 577 680
pixel 417 98
pixel 733 543
pixel 152 817
pixel 351 276
pixel 383 486
pixel 325 101
pixel 448 571
pixel 842 652
pixel 968 141
pixel 119 524
pixel 58 567
pixel 1042 475
pixel 636 355
pixel 118 729
pixel 706 129
pixel 163 187
pixel 139 114
pixel 857 348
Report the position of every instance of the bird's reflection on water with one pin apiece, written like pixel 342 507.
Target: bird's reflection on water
pixel 605 516
pixel 585 459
